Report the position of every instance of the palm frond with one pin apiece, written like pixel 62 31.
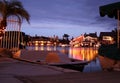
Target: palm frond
pixel 14 7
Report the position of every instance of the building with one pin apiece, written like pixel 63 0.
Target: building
pixel 107 37
pixel 90 40
pixel 42 41
pixel 76 42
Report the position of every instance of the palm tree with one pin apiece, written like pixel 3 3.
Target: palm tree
pixel 65 36
pixel 11 8
pixel 65 39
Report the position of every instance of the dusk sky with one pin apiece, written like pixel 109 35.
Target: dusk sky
pixel 73 17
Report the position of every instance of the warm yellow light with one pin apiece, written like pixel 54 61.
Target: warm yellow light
pixel 83 53
pixel 42 44
pixel 36 43
pixel 36 47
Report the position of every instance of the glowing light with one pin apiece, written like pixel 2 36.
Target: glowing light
pixel 83 53
pixel 36 43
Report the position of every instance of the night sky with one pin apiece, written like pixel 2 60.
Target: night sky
pixel 73 17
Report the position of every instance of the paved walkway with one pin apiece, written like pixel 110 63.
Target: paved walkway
pixel 14 71
pixel 94 77
pixel 10 69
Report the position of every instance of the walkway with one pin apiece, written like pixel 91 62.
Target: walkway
pixel 14 71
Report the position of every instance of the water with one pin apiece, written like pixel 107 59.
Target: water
pixel 85 54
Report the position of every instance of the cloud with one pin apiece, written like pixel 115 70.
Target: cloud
pixel 105 22
pixel 63 15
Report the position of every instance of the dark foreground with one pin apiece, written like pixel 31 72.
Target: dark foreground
pixel 95 77
pixel 14 71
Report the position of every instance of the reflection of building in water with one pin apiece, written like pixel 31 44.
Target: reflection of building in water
pixel 87 54
pixel 64 50
pixel 42 48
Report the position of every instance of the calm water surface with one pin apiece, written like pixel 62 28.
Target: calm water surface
pixel 85 54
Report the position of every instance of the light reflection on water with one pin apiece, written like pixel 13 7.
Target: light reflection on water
pixel 42 48
pixel 86 54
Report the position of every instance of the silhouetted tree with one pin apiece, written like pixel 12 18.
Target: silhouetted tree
pixel 11 8
pixel 65 37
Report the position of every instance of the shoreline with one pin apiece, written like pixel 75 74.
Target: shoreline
pixel 19 71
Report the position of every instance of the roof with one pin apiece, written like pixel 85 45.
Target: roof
pixel 91 34
pixel 110 10
pixel 107 34
pixel 40 38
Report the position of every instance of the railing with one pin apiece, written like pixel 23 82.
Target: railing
pixel 11 37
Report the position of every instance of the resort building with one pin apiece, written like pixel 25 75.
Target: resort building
pixel 107 37
pixel 76 42
pixel 90 40
pixel 42 41
pixel 86 40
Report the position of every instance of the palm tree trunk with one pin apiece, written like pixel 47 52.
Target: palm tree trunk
pixel 3 26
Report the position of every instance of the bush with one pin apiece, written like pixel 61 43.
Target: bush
pixel 110 51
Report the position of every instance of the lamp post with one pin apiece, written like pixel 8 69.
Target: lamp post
pixel 118 29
